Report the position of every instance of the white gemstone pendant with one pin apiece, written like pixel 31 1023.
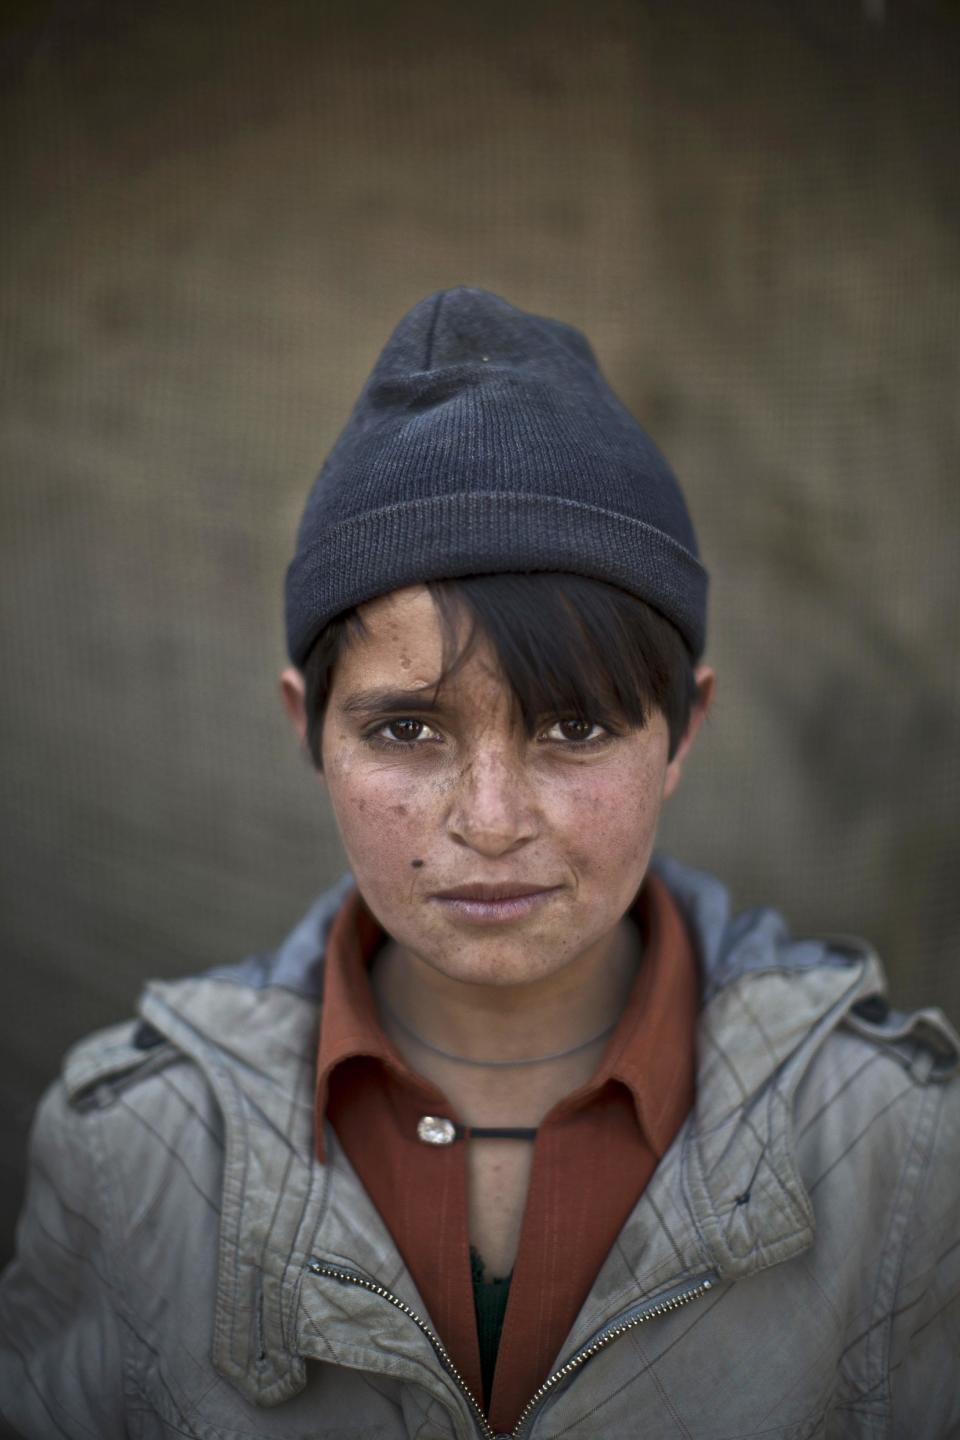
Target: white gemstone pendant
pixel 435 1130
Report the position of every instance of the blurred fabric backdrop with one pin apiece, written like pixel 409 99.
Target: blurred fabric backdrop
pixel 213 215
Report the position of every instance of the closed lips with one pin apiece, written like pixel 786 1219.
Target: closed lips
pixel 508 891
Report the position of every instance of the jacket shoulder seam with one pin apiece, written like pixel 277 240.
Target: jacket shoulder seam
pixel 925 1061
pixel 101 1066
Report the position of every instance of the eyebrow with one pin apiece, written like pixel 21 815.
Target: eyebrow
pixel 376 701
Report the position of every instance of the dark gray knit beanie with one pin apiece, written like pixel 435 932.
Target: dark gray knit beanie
pixel 487 440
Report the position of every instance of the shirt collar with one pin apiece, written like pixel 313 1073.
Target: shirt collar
pixel 652 1050
pixel 349 1024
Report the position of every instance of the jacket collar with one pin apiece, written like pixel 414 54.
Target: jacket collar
pixel 726 1198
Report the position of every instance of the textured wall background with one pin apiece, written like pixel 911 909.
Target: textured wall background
pixel 213 215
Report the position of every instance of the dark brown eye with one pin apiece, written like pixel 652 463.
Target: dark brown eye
pixel 405 729
pixel 574 731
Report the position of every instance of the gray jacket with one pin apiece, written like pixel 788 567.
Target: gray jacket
pixel 187 1268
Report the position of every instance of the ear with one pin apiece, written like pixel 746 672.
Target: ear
pixel 293 693
pixel 706 683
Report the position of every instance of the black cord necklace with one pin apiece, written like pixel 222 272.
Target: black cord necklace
pixel 492 1064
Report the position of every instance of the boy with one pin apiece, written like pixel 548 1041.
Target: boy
pixel 517 1132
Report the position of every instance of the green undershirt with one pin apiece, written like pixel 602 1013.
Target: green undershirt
pixel 489 1305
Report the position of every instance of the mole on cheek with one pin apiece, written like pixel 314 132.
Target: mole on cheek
pixel 399 809
pixel 416 864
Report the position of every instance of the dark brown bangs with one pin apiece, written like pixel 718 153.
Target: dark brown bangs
pixel 572 647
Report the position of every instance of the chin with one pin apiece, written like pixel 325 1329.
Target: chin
pixel 499 966
pixel 495 979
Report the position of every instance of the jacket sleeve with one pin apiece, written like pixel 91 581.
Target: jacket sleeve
pixel 924 1349
pixel 61 1363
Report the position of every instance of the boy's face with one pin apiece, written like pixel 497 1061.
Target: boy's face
pixel 431 796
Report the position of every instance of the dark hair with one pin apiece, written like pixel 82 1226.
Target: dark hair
pixel 567 646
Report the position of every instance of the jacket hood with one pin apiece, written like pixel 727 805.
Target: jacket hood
pixel 726 1200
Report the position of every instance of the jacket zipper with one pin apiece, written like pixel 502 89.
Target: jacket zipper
pixel 673 1300
pixel 348 1277
pixel 629 1320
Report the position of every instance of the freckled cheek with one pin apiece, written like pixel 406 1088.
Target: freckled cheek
pixel 610 823
pixel 384 826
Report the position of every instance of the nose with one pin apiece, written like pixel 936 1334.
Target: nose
pixel 494 809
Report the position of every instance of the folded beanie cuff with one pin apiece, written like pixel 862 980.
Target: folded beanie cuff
pixel 487 532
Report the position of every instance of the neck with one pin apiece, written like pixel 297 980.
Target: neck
pixel 549 1017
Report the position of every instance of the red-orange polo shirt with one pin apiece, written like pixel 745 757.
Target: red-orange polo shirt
pixel 594 1154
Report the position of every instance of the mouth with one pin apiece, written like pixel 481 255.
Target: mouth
pixel 484 904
